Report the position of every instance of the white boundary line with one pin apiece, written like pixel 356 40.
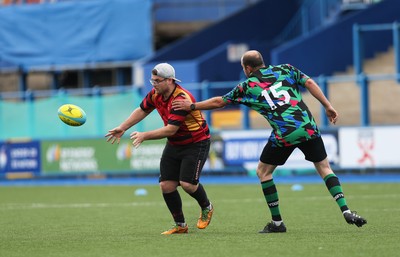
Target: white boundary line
pixel 24 206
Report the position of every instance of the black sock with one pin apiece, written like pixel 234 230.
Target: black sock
pixel 174 204
pixel 201 197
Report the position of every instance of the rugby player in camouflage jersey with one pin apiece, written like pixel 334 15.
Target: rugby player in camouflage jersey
pixel 274 92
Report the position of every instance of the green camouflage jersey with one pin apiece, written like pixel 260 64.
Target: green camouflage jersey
pixel 274 92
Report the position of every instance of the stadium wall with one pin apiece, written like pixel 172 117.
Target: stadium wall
pixel 196 10
pixel 260 22
pixel 330 48
pixel 207 67
pixel 37 118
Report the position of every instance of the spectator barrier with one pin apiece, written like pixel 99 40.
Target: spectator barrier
pixel 355 148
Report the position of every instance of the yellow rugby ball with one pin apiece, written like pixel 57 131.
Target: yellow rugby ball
pixel 72 115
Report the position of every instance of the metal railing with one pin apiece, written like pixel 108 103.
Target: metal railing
pixel 206 90
pixel 314 14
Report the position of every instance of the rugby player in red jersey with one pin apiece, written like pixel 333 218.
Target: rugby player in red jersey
pixel 186 150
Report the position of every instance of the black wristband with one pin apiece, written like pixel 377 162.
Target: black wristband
pixel 192 107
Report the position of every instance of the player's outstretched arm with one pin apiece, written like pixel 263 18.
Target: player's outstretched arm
pixel 332 114
pixel 163 132
pixel 116 133
pixel 209 104
pixel 316 91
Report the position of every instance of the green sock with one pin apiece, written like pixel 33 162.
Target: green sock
pixel 271 196
pixel 335 189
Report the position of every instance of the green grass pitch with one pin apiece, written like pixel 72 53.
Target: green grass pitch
pixel 107 221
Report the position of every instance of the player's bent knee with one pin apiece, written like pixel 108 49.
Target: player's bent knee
pixel 188 187
pixel 168 186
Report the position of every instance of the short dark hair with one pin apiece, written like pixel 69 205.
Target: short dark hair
pixel 253 60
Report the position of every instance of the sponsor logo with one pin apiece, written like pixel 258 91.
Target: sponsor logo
pixel 124 151
pixel 273 204
pixel 70 159
pixel 340 195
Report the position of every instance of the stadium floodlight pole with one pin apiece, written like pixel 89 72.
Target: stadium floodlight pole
pixel 396 46
pixel 22 80
pixel 362 81
pixel 304 21
pixel 55 79
pixel 245 117
pixel 357 49
pixel 205 94
pixel 322 81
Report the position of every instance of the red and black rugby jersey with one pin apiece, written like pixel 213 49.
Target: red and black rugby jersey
pixel 192 126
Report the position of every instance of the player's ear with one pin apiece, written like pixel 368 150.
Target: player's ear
pixel 249 69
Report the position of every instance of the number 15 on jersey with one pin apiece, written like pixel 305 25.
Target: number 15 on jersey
pixel 277 94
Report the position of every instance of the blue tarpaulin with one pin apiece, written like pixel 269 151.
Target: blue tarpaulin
pixel 75 32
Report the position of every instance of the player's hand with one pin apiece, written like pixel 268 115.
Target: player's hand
pixel 181 104
pixel 332 114
pixel 115 134
pixel 137 137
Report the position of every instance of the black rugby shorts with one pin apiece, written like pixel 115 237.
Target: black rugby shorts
pixel 184 163
pixel 313 150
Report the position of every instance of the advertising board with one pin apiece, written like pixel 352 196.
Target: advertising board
pixel 18 157
pixel 369 147
pixel 98 156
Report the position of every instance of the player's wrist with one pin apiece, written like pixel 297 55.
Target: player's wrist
pixel 192 107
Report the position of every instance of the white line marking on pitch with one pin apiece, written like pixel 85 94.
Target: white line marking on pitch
pixel 21 206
